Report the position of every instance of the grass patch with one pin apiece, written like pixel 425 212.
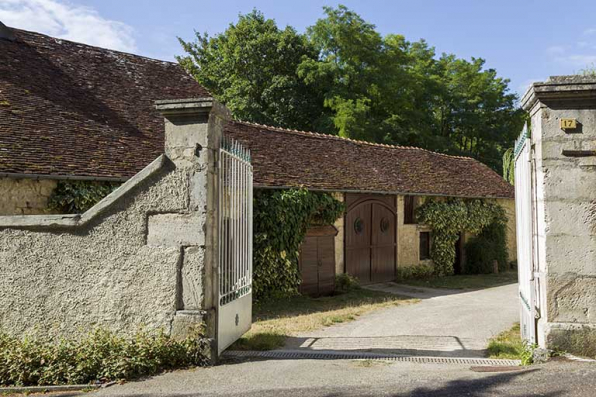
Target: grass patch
pixel 507 345
pixel 275 320
pixel 466 281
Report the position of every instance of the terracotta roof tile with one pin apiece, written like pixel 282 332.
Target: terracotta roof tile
pixel 290 158
pixel 75 110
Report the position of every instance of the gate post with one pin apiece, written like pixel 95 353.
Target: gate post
pixel 563 161
pixel 193 135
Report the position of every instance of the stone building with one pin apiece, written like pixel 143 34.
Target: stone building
pixel 70 111
pixel 557 233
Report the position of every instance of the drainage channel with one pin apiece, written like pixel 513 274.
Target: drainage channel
pixel 334 355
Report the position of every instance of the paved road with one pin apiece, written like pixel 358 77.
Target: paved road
pixel 279 378
pixel 445 323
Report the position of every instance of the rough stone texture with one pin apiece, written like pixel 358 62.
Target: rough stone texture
pixel 565 202
pixel 175 230
pixel 339 239
pixel 408 238
pixel 25 196
pixel 192 277
pixel 142 256
pixel 66 281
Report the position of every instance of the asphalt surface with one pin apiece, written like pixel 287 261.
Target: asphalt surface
pixel 364 378
pixel 446 323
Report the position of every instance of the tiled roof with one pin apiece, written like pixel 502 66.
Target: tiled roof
pixel 69 109
pixel 75 110
pixel 290 158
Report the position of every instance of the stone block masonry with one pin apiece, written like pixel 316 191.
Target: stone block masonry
pixel 564 191
pixel 143 256
pixel 25 196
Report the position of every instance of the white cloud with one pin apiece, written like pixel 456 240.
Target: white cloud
pixel 68 21
pixel 590 31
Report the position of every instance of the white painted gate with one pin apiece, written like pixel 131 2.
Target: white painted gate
pixel 234 315
pixel 524 224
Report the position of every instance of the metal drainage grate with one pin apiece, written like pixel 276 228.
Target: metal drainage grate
pixel 327 355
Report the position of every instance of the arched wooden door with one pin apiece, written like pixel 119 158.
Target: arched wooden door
pixel 371 240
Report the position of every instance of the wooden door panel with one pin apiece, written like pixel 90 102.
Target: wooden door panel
pixel 309 266
pixel 383 264
pixel 326 251
pixel 358 264
pixel 358 226
pixel 383 244
pixel 383 226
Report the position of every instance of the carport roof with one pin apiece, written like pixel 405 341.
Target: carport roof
pixel 290 158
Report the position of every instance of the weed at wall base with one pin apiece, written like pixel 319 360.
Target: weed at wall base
pixel 101 356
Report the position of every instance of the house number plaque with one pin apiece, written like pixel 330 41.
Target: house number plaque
pixel 568 124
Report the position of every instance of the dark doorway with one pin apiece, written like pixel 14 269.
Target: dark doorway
pixel 458 266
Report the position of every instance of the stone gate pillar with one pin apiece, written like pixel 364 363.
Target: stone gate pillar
pixel 563 143
pixel 193 133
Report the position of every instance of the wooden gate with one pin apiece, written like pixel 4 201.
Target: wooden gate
pixel 370 233
pixel 524 216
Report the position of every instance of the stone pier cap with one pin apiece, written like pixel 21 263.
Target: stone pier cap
pixel 580 90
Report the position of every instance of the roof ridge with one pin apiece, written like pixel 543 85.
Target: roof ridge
pixel 341 138
pixel 17 31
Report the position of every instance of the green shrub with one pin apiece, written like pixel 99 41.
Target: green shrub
pixel 345 283
pixel 489 246
pixel 76 197
pixel 281 218
pixel 100 356
pixel 415 272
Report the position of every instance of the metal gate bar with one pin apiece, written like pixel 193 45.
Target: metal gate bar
pixel 235 220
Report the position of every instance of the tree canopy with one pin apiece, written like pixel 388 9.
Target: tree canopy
pixel 343 77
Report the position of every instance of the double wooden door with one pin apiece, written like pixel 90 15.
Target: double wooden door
pixel 370 232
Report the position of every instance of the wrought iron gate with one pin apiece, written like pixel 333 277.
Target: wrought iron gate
pixel 524 212
pixel 234 315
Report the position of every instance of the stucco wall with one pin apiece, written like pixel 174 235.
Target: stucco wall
pixel 66 280
pixel 25 196
pixel 142 256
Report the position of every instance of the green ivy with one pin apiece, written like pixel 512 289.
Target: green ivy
pixel 448 218
pixel 76 197
pixel 487 247
pixel 281 218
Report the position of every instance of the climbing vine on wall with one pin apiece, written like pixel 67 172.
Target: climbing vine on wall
pixel 281 218
pixel 450 217
pixel 76 197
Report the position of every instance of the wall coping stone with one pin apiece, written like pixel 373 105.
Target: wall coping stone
pixel 75 220
pixel 561 88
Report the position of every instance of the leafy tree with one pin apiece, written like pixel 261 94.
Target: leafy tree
pixel 343 77
pixel 252 68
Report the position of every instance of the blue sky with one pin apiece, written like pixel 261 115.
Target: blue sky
pixel 524 40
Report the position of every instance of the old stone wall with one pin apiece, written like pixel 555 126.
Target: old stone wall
pixel 408 239
pixel 141 257
pixel 25 196
pixel 107 273
pixel 339 238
